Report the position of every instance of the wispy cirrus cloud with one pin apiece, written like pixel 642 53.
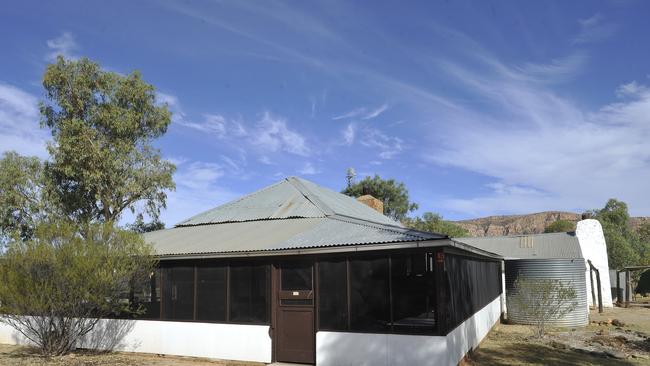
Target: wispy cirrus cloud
pixel 499 118
pixel 349 133
pixel 372 138
pixel 308 169
pixel 388 146
pixel 594 29
pixel 273 134
pixel 557 70
pixel 351 114
pixel 64 45
pixel 632 89
pixel 212 123
pixel 171 100
pixel 19 122
pixel 198 175
pixel 376 112
pixel 311 29
pixel 199 187
pixel 542 150
pixel 363 113
pixel 265 160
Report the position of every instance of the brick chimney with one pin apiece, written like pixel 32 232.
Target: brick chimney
pixel 372 202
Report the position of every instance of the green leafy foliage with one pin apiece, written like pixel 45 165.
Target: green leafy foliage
pixel 393 194
pixel 60 277
pixel 434 223
pixel 624 246
pixel 102 158
pixel 22 190
pixel 560 226
pixel 57 285
pixel 644 243
pixel 141 227
pixel 542 300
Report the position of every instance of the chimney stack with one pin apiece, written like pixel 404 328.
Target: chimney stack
pixel 372 202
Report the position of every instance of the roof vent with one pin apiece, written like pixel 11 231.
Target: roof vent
pixel 372 202
pixel 526 242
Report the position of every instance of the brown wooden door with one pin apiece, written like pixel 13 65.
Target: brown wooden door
pixel 294 334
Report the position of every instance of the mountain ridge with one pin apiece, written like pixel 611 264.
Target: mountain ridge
pixel 533 223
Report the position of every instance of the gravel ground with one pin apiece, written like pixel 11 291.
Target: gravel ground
pixel 626 342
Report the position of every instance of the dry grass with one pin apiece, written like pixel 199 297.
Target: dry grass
pixel 505 345
pixel 515 344
pixel 25 356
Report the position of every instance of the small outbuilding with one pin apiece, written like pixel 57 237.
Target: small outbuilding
pixel 572 257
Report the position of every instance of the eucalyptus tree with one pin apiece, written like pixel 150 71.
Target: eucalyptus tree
pixel 392 193
pixel 22 195
pixel 102 158
pixel 435 223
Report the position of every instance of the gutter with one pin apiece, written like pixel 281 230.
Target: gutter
pixel 357 248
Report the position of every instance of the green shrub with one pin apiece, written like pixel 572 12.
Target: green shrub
pixel 560 226
pixel 542 300
pixel 56 286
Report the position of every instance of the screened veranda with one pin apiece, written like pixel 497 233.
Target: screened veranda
pixel 403 291
pixel 208 291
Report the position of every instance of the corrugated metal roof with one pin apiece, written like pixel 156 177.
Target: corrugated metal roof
pixel 229 237
pixel 292 197
pixel 342 204
pixel 274 235
pixel 537 246
pixel 291 214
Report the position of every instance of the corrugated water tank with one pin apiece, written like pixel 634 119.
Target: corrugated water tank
pixel 570 271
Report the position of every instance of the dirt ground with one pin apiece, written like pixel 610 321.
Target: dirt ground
pixel 626 342
pixel 24 356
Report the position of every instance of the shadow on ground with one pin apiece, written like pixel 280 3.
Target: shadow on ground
pixel 518 353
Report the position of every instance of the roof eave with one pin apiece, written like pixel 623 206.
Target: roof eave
pixel 319 250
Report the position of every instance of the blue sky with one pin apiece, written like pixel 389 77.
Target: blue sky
pixel 480 107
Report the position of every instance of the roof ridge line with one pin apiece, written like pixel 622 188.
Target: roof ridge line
pixel 386 227
pixel 243 221
pixel 310 196
pixel 569 233
pixel 232 202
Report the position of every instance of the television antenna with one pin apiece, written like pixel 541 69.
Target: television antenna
pixel 350 176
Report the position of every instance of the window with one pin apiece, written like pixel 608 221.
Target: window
pixel 211 293
pixel 333 298
pixel 369 294
pixel 249 293
pixel 296 277
pixel 178 292
pixel 413 289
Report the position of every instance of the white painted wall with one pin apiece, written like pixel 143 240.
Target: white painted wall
pixel 593 246
pixel 352 349
pixel 9 335
pixel 504 308
pixel 252 342
pixel 221 341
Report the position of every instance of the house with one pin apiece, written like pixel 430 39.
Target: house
pixel 561 256
pixel 298 273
